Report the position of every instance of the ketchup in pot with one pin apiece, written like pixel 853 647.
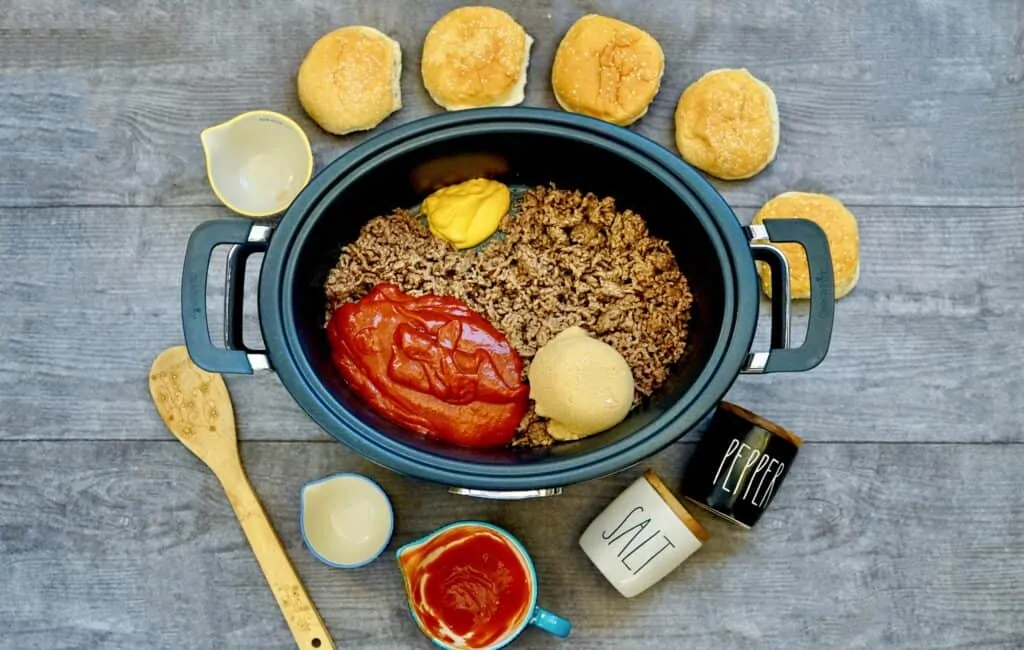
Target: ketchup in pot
pixel 432 364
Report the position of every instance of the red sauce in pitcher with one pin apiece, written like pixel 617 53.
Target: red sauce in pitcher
pixel 468 585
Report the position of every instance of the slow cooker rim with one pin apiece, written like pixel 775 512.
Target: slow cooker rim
pixel 294 369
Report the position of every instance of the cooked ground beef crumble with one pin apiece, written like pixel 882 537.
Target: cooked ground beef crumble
pixel 565 258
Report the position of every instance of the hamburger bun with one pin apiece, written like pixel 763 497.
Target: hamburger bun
pixel 349 80
pixel 475 57
pixel 840 228
pixel 727 124
pixel 608 69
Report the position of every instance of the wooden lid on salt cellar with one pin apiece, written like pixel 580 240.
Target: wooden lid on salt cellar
pixel 673 503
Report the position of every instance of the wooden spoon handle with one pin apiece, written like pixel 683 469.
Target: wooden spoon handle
pixel 306 625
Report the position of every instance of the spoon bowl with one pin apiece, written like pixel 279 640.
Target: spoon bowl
pixel 196 407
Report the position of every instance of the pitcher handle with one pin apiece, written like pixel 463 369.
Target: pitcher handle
pixel 552 623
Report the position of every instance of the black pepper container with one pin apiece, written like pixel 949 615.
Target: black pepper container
pixel 739 465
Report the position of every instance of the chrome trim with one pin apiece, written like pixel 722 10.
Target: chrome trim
pixel 259 234
pixel 786 291
pixel 757 361
pixel 508 495
pixel 259 362
pixel 229 279
pixel 755 364
pixel 756 231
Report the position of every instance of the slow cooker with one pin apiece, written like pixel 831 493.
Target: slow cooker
pixel 518 146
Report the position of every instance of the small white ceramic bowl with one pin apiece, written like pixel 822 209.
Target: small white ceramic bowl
pixel 346 520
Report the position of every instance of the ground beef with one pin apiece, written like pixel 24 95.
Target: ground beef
pixel 564 258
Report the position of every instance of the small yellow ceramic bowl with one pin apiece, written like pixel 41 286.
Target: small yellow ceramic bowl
pixel 257 162
pixel 346 520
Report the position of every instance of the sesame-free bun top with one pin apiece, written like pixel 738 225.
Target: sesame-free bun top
pixel 608 69
pixel 840 228
pixel 727 124
pixel 349 80
pixel 475 57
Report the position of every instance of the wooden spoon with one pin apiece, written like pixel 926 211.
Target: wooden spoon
pixel 196 407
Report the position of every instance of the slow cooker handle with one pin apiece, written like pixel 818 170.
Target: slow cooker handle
pixel 246 239
pixel 781 357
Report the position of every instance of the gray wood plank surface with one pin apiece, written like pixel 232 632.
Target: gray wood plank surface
pixel 127 545
pixel 882 103
pixel 901 526
pixel 926 348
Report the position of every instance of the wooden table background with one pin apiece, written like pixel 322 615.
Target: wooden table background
pixel 901 526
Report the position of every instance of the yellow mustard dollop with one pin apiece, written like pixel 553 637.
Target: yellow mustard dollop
pixel 468 213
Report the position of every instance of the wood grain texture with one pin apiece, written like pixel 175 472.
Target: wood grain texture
pixel 926 348
pixel 882 103
pixel 122 545
pixel 901 526
pixel 196 407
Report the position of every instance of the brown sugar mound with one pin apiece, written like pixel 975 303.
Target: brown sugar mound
pixel 565 259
